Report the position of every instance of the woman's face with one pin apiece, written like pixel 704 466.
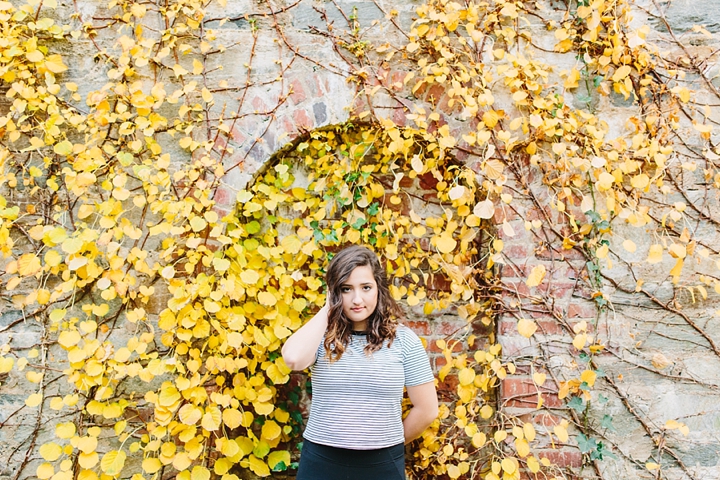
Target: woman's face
pixel 359 296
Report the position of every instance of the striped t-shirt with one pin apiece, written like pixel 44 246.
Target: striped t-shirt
pixel 356 401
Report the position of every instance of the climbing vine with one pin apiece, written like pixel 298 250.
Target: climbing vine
pixel 159 242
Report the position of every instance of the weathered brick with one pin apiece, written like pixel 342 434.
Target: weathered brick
pixel 224 196
pixel 259 104
pixel 298 94
pixel 523 393
pixel 439 282
pixel 302 120
pixel 562 457
pixel 457 346
pixel 447 328
pixel 582 310
pixel 435 93
pixel 421 328
pixel 428 181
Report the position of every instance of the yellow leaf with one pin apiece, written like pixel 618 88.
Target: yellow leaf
pixel 660 361
pixel 655 254
pixel 509 465
pixel 277 457
pixel 536 276
pixel 151 465
pixel 113 462
pixel 271 430
pixel 561 432
pixel 44 471
pixel 629 245
pixel 86 444
pixel 65 430
pixel 445 242
pixel 34 400
pixel 453 471
pixel 589 377
pixel 486 412
pixel 466 376
pixel 539 378
pixel 677 251
pixel 181 461
pixel 672 424
pixel 212 419
pixel 605 181
pixel 258 467
pixel 291 244
pixel 526 327
pixel 621 73
pixel 28 264
pixel 198 224
pixel 6 364
pixel 529 431
pixel 640 181
pixel 87 475
pixel 478 440
pixel 168 396
pixel 51 451
pixel 652 466
pixel 230 448
pixel 55 64
pixel 72 245
pixel 572 79
pixel 484 209
pixel 200 473
pixel 522 447
pixel 580 340
pixel 179 70
pixel 88 460
pixel 677 269
pixel 456 192
pixel 231 417
pixel 197 67
pixel 189 414
pixel 267 299
pixel 63 148
pixel 533 465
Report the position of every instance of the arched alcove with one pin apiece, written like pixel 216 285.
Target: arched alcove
pixel 387 188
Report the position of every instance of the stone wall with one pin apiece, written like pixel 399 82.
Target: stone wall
pixel 657 364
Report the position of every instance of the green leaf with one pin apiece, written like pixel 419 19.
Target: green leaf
pixel 577 404
pixel 261 449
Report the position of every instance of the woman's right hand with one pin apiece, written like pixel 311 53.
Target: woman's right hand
pixel 300 350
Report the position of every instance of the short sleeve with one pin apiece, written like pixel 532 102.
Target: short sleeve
pixel 415 360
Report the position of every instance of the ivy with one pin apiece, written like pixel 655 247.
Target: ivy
pixel 161 311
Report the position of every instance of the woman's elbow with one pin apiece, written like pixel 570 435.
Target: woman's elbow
pixel 293 362
pixel 433 411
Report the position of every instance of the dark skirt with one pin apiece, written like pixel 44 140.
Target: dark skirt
pixel 320 462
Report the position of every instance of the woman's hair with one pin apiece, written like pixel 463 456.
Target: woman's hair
pixel 382 323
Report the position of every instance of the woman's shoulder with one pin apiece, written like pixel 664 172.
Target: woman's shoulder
pixel 404 332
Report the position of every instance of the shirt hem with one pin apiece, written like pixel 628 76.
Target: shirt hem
pixel 354 447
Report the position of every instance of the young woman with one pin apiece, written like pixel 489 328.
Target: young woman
pixel 361 359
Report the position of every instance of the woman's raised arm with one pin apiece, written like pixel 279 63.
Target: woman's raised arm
pixel 300 349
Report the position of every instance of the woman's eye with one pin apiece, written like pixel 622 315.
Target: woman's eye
pixel 344 289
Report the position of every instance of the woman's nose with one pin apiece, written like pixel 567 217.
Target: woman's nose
pixel 356 297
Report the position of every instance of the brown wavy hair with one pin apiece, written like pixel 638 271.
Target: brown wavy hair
pixel 382 323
